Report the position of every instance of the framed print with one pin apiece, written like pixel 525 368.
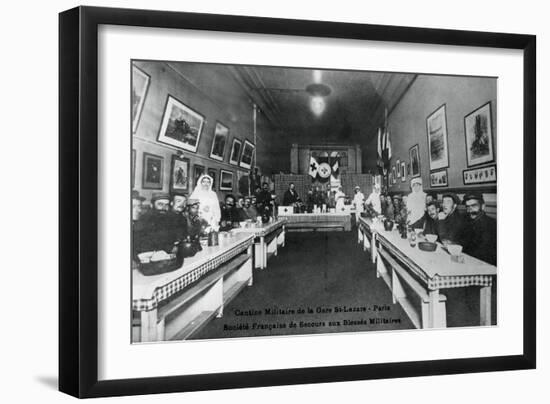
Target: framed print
pixel 246 158
pixel 481 175
pixel 438 148
pixel 213 173
pixel 198 170
pixel 398 168
pixel 478 133
pixel 439 179
pixel 226 180
pixel 235 151
pixel 140 84
pixel 153 169
pixel 414 160
pixel 181 126
pixel 179 174
pixel 140 310
pixel 221 134
pixel 403 172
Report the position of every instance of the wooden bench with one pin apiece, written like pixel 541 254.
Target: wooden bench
pixel 187 312
pixel 400 281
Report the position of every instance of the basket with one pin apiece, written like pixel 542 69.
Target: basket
pixel 160 267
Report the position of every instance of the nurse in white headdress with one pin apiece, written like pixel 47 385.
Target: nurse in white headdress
pixel 416 201
pixel 209 208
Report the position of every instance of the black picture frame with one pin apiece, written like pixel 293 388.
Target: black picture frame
pixel 153 171
pixel 78 183
pixel 176 185
pixel 442 111
pixel 414 157
pixel 442 181
pixel 489 136
pixel 468 176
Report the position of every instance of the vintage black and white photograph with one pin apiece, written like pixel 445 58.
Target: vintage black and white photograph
pixel 181 126
pixel 479 136
pixel 220 139
pixel 342 232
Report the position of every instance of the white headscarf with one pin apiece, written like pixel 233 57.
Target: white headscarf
pixel 374 199
pixel 416 202
pixel 209 208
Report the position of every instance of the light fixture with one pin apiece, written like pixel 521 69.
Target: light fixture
pixel 317 105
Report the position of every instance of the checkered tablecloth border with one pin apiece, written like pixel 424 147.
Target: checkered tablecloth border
pixel 178 284
pixel 448 282
pixel 264 231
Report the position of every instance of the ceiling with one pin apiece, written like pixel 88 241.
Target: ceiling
pixel 354 108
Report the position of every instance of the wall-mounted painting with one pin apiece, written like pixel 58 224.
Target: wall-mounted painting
pixel 414 160
pixel 226 180
pixel 438 147
pixel 439 178
pixel 393 174
pixel 140 84
pixel 480 175
pixel 403 171
pixel 398 168
pixel 235 151
pixel 198 170
pixel 213 173
pixel 248 152
pixel 179 174
pixel 153 169
pixel 221 133
pixel 478 132
pixel 181 126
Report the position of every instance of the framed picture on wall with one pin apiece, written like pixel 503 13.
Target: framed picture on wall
pixel 181 126
pixel 398 168
pixel 403 171
pixel 235 151
pixel 179 174
pixel 438 147
pixel 213 173
pixel 481 175
pixel 439 179
pixel 226 180
pixel 140 84
pixel 153 169
pixel 221 134
pixel 246 158
pixel 478 133
pixel 414 160
pixel 198 170
pixel 393 174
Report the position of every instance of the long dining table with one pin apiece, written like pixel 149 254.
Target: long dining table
pixel 424 273
pixel 268 237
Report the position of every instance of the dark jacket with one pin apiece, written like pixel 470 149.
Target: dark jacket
pixel 290 197
pixel 230 215
pixel 480 238
pixel 195 226
pixel 158 231
pixel 427 224
pixel 452 228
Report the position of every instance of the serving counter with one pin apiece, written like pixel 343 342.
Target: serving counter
pixel 424 274
pixel 317 221
pixel 174 305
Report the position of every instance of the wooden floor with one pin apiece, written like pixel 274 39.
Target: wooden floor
pixel 318 273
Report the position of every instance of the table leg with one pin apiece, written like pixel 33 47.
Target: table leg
pixel 485 305
pixel 264 253
pixel 373 248
pixel 149 326
pixel 433 302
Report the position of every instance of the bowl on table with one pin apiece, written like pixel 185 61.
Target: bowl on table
pixel 427 246
pixel 242 224
pixel 454 249
pixel 431 237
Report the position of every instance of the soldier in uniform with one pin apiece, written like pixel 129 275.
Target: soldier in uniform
pixel 480 231
pixel 160 228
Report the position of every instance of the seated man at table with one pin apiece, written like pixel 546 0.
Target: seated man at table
pixel 428 223
pixel 480 231
pixel 160 228
pixel 290 196
pixel 196 226
pixel 179 203
pixel 250 210
pixel 398 207
pixel 264 199
pixel 388 210
pixel 319 198
pixel 240 208
pixel 451 222
pixel 230 214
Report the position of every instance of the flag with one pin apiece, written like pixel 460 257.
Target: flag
pixel 379 144
pixel 335 167
pixel 313 166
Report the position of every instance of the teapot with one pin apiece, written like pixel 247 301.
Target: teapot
pixel 388 224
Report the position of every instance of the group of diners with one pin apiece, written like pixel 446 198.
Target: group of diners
pixel 475 231
pixel 317 196
pixel 177 216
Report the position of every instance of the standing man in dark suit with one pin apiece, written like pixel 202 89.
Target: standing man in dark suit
pixel 291 196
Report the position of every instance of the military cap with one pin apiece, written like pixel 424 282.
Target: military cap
pixel 160 195
pixel 473 195
pixel 193 201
